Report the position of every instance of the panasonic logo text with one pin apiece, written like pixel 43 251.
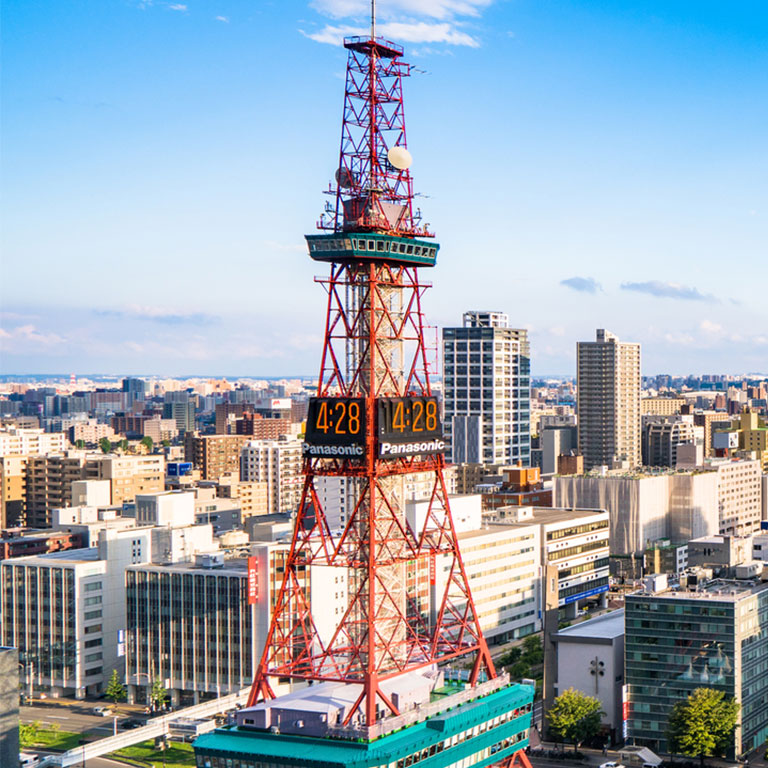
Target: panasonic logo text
pixel 353 451
pixel 409 449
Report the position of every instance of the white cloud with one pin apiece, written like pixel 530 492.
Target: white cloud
pixel 410 21
pixel 22 336
pixel 386 9
pixel 407 32
pixel 178 7
pixel 225 19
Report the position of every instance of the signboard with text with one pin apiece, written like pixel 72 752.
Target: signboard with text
pixel 253 580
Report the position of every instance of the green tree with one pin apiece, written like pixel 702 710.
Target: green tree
pixel 511 656
pixel 533 651
pixel 148 441
pixel 575 717
pixel 703 724
pixel 166 443
pixel 105 445
pixel 29 733
pixel 79 444
pixel 158 695
pixel 124 445
pixel 115 689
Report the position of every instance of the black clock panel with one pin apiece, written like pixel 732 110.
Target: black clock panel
pixel 405 419
pixel 335 421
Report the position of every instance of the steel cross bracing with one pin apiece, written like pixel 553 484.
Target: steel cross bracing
pixel 373 348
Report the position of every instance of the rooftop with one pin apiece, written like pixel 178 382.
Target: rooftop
pixel 543 515
pixel 719 590
pixel 608 626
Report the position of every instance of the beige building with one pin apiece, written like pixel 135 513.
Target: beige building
pixel 739 495
pixel 128 475
pixel 49 485
pixel 661 406
pixel 278 464
pixel 608 401
pixel 215 455
pixel 13 476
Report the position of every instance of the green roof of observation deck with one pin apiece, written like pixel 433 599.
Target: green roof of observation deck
pixel 501 720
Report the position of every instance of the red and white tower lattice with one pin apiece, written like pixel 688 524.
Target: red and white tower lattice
pixel 373 422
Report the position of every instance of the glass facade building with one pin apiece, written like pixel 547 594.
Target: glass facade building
pixel 677 641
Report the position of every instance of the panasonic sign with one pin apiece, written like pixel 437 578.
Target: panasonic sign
pixel 332 451
pixel 392 450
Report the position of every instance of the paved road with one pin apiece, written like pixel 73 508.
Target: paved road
pixel 76 719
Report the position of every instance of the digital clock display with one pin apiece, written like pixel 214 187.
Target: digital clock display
pixel 335 427
pixel 408 426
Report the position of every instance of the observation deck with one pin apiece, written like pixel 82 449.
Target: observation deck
pixel 343 247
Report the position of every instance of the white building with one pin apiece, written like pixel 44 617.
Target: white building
pixel 575 541
pixel 174 508
pixel 503 565
pixel 739 495
pixel 590 658
pixel 16 441
pixel 678 506
pixel 277 463
pixel 486 388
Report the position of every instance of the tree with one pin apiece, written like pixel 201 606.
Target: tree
pixel 166 443
pixel 575 717
pixel 533 651
pixel 80 444
pixel 29 733
pixel 703 724
pixel 148 441
pixel 124 445
pixel 115 689
pixel 105 445
pixel 157 695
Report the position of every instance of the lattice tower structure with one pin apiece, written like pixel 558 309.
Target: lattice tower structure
pixel 374 420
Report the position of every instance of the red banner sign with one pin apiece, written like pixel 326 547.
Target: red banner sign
pixel 253 580
pixel 432 569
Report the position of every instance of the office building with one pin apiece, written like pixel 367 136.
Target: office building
pixel 608 401
pixel 487 390
pixel 204 630
pixel 181 408
pixel 679 640
pixel 575 542
pixel 503 565
pixel 277 463
pixel 65 611
pixel 661 406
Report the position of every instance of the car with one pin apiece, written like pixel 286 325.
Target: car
pixel 611 764
pixel 28 760
pixel 101 711
pixel 131 722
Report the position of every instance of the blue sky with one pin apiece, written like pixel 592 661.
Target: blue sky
pixel 583 164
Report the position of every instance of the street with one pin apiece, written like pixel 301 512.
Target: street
pixel 76 719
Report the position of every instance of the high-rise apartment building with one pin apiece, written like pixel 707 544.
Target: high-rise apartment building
pixel 22 442
pixel 608 401
pixel 215 455
pixel 277 463
pixel 13 475
pixel 487 390
pixel 49 485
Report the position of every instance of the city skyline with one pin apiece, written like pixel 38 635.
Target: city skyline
pixel 151 150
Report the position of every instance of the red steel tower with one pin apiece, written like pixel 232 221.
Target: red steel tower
pixel 373 422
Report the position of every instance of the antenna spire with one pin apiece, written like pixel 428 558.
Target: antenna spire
pixel 373 19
